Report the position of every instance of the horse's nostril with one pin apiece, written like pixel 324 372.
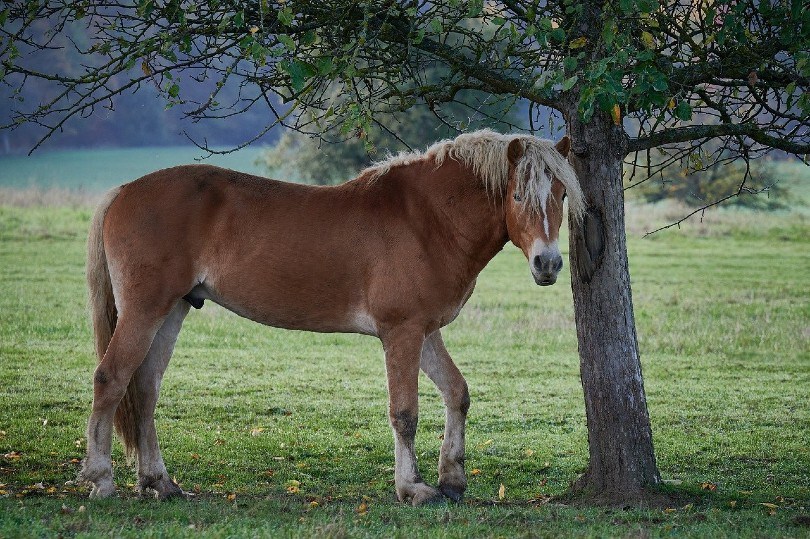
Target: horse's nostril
pixel 547 263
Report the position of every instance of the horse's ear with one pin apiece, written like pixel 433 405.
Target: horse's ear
pixel 564 146
pixel 515 151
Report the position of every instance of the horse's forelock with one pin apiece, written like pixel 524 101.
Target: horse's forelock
pixel 485 153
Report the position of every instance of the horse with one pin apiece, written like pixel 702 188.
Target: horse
pixel 393 253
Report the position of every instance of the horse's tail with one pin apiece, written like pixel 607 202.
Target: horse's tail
pixel 104 316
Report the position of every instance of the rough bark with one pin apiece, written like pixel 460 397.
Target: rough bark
pixel 622 461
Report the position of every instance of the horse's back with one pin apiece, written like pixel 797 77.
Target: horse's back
pixel 283 254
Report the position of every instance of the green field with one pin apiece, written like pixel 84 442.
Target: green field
pixel 285 433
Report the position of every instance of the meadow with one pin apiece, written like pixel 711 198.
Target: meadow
pixel 282 434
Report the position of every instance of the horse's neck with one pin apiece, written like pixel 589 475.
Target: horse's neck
pixel 473 222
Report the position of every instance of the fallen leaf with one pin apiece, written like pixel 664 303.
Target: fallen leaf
pixel 708 486
pixel 362 509
pixel 66 510
pixel 732 504
pixel 485 444
pixel 293 486
pixel 769 505
pixel 529 452
pixel 255 431
pixel 231 497
pixel 670 510
pixel 475 471
pixel 13 455
pixel 313 504
pixel 501 492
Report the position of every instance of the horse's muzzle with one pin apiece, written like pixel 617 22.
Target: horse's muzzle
pixel 545 268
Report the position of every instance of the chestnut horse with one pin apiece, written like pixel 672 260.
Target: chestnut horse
pixel 393 253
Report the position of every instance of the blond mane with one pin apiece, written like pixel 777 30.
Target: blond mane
pixel 485 153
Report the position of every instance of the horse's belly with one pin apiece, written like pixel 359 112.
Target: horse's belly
pixel 293 309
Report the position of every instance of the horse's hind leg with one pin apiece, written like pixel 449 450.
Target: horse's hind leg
pixel 152 472
pixel 439 367
pixel 129 344
pixel 402 351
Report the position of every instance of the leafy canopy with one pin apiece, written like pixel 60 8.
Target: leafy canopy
pixel 667 72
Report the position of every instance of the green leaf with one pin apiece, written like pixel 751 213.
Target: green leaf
pixel 287 41
pixel 308 38
pixel 325 65
pixel 647 6
pixel 299 72
pixel 285 16
pixel 3 17
pixel 683 111
pixel 239 19
pixel 436 25
pixel 498 21
pixel 570 64
pixel 474 8
pixel 609 32
pixel 174 90
pixel 569 83
pixel 558 34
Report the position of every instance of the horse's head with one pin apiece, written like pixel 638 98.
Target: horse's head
pixel 533 203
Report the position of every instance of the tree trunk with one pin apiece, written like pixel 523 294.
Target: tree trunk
pixel 622 461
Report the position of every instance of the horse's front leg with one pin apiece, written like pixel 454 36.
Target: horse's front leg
pixel 402 352
pixel 439 367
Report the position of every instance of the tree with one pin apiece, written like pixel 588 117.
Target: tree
pixel 628 77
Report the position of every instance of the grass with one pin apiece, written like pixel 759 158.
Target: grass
pixel 285 433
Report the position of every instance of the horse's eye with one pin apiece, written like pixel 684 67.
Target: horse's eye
pixel 517 197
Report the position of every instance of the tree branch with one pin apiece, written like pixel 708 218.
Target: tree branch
pixel 696 132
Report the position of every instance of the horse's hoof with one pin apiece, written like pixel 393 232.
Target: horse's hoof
pixel 174 492
pixel 161 490
pixel 454 492
pixel 426 495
